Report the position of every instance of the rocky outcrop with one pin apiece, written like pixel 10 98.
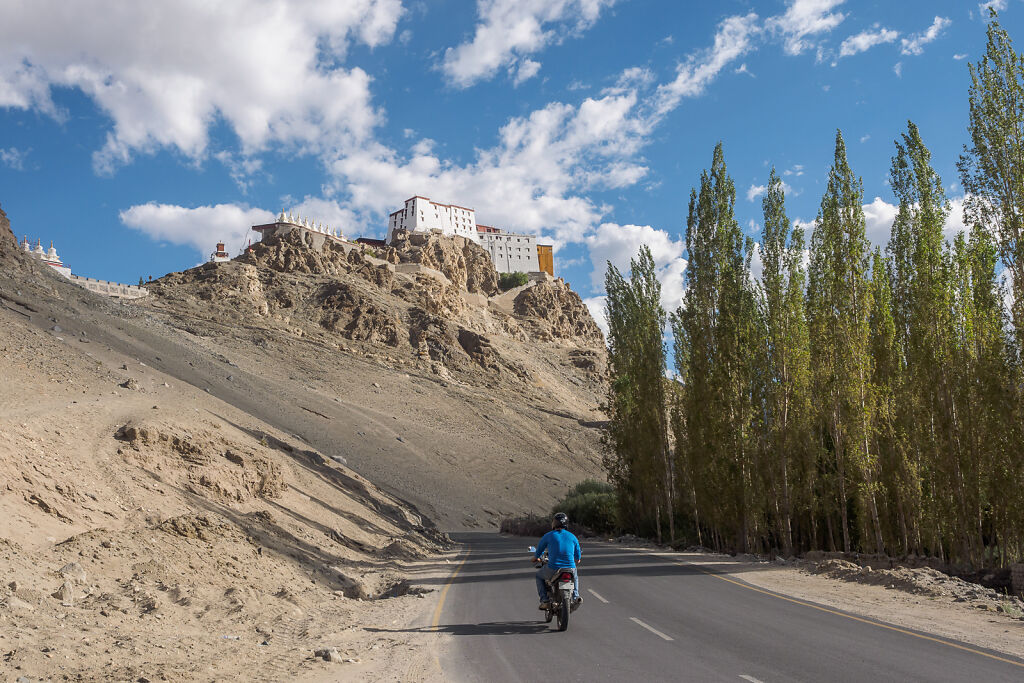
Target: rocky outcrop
pixel 465 263
pixel 559 312
pixel 6 236
pixel 298 251
pixel 346 312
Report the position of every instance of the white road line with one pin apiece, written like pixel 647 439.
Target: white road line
pixel 751 678
pixel 597 595
pixel 651 629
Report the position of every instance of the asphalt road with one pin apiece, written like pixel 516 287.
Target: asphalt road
pixel 647 618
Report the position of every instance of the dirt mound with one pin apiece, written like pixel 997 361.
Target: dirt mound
pixel 916 580
pixel 203 463
pixel 559 312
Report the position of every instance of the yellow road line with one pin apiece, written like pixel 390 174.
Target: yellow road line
pixel 444 591
pixel 842 614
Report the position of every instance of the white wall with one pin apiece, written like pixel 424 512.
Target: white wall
pixel 511 252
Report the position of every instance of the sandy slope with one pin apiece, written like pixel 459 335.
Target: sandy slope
pixel 179 495
pixel 183 545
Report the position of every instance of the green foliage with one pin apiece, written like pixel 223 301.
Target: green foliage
pixel 990 168
pixel 507 281
pixel 867 401
pixel 591 504
pixel 637 461
pixel 590 486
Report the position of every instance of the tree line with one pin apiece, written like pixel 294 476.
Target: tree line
pixel 850 398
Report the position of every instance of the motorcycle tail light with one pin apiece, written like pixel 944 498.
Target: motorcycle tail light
pixel 565 577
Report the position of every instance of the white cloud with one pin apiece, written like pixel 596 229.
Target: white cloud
pixel 880 214
pixel 997 5
pixel 524 71
pixel 897 69
pixel 200 228
pixel 914 45
pixel 755 191
pixel 878 218
pixel 13 158
pixel 620 243
pixel 165 72
pixel 797 170
pixel 865 40
pixel 509 30
pixel 732 40
pixel 242 169
pixel 804 19
pixel 960 56
pixel 595 304
pixel 531 180
pixel 864 138
pixel 535 177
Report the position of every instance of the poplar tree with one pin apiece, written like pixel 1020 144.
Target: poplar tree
pixel 718 332
pixel 637 435
pixel 992 165
pixel 786 379
pixel 838 311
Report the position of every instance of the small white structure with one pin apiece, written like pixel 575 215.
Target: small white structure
pixel 422 215
pixel 220 255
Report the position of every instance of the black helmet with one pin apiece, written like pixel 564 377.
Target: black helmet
pixel 560 521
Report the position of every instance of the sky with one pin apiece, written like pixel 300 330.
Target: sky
pixel 136 136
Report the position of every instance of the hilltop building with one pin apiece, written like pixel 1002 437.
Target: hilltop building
pixel 288 221
pixel 422 215
pixel 510 252
pixel 104 287
pixel 220 255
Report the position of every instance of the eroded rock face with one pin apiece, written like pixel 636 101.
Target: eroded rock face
pixel 299 251
pixel 560 311
pixel 465 263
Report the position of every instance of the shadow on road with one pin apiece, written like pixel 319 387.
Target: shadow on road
pixel 492 628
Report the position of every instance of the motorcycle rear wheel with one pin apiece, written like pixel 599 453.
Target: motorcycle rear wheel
pixel 563 613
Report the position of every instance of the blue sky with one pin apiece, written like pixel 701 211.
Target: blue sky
pixel 137 135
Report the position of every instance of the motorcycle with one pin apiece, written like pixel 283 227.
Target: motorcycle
pixel 560 589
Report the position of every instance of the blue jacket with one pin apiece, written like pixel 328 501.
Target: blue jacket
pixel 563 548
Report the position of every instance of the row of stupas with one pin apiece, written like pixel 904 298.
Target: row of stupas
pixel 308 224
pixel 48 256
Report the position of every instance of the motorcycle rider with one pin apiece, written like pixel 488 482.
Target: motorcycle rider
pixel 563 553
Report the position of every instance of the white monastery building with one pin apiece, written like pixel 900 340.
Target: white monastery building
pixel 510 252
pixel 422 215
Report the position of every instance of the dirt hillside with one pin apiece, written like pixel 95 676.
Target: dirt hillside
pixel 469 408
pixel 249 467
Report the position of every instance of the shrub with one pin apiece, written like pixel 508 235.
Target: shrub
pixel 591 504
pixel 507 281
